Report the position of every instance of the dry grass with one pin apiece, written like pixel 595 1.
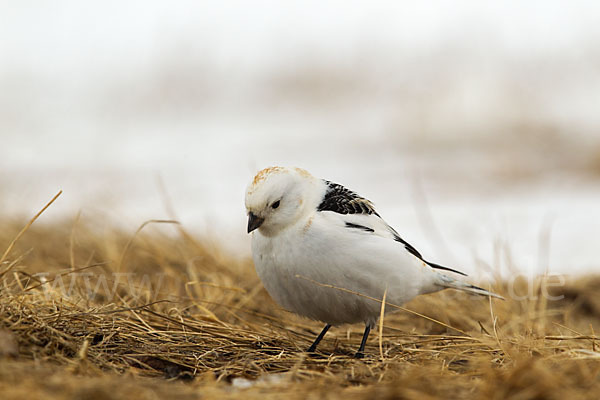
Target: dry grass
pixel 174 317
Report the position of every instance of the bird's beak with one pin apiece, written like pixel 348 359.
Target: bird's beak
pixel 254 222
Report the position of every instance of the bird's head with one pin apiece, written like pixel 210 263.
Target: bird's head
pixel 278 197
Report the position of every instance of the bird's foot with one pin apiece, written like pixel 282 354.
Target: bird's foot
pixel 359 355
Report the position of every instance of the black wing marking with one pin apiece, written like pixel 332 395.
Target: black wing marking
pixel 344 201
pixel 361 227
pixel 416 253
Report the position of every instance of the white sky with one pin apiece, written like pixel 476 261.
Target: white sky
pixel 55 35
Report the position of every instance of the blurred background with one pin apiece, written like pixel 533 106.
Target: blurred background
pixel 474 127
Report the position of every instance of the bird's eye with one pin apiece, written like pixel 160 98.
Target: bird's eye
pixel 276 204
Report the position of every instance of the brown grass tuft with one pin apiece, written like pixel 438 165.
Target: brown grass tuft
pixel 158 313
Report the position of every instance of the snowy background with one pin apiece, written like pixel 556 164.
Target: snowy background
pixel 473 127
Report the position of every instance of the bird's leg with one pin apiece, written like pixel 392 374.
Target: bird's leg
pixel 360 353
pixel 313 346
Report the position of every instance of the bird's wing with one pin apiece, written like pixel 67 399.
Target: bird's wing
pixel 359 214
pixel 341 200
pixel 370 225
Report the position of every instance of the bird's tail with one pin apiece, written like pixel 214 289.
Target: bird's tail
pixel 448 282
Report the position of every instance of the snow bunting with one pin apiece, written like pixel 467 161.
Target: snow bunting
pixel 311 237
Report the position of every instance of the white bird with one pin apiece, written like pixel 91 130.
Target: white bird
pixel 322 251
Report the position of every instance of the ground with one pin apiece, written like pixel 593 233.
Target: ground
pixel 160 313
